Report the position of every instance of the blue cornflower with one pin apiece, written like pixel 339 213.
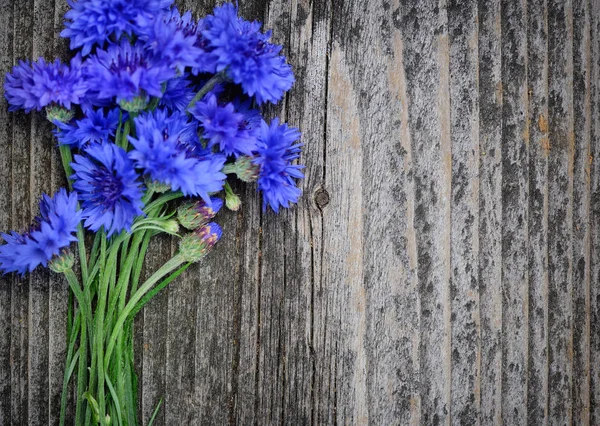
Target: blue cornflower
pixel 34 85
pixel 96 126
pixel 204 61
pixel 126 71
pixel 53 231
pixel 246 55
pixel 91 22
pixel 168 42
pixel 108 187
pixel 276 150
pixel 173 124
pixel 225 127
pixel 162 151
pixel 178 94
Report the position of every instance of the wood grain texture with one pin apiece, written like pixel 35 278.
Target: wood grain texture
pixel 515 198
pixel 442 267
pixel 560 211
pixel 539 146
pixel 490 211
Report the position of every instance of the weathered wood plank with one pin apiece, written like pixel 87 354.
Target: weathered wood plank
pixel 21 219
pixel 58 287
pixel 152 321
pixel 6 132
pixel 490 210
pixel 539 145
pixel 215 285
pixel 515 191
pixel 344 389
pixel 246 315
pixel 464 287
pixel 41 147
pixel 426 61
pixel 306 365
pixel 390 258
pixel 595 220
pixel 560 209
pixel 582 113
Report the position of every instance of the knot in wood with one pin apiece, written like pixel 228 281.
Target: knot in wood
pixel 321 198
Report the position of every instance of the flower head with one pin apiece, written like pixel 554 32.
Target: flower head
pixel 52 232
pixel 168 42
pixel 95 127
pixel 163 149
pixel 250 60
pixel 126 71
pixel 225 127
pixel 108 188
pixel 34 85
pixel 91 22
pixel 276 150
pixel 177 95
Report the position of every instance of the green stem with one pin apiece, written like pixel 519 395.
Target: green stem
pixel 171 265
pixel 228 189
pixel 210 84
pixel 153 293
pixel 161 201
pixel 82 253
pixel 230 168
pixel 73 333
pixel 147 196
pixel 66 157
pixel 108 268
pixel 80 412
pixel 117 304
pixel 74 284
pixel 123 140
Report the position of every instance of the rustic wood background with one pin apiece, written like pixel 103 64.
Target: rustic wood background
pixel 442 267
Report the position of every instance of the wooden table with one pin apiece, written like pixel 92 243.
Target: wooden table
pixel 442 267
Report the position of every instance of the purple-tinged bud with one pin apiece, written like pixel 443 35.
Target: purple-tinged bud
pixel 195 245
pixel 247 171
pixel 210 234
pixel 244 168
pixel 57 113
pixel 193 214
pixel 62 263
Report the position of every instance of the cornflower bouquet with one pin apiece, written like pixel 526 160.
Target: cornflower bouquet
pixel 152 113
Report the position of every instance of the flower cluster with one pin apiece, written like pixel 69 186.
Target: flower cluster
pixel 52 232
pixel 154 107
pixel 154 100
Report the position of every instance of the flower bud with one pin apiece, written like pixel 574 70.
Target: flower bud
pixel 245 169
pixel 195 245
pixel 232 201
pixel 137 104
pixel 58 113
pixel 62 263
pixel 171 226
pixel 157 186
pixel 194 214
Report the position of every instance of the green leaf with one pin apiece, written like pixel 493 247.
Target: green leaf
pixel 94 404
pixel 155 413
pixel 115 398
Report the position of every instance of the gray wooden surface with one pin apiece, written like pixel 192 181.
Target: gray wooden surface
pixel 443 266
